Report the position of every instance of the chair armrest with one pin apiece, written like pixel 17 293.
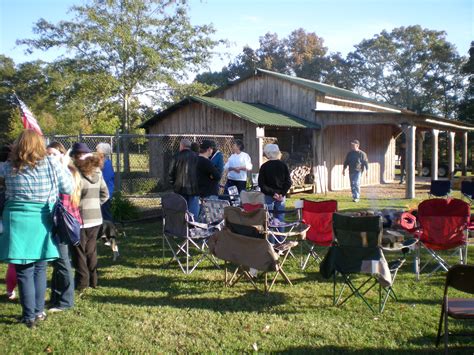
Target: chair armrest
pixel 198 225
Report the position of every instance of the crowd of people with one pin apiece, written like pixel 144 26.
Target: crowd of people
pixel 33 178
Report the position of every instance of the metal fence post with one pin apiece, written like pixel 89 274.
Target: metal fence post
pixel 119 173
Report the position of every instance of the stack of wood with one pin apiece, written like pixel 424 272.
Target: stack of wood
pixel 298 175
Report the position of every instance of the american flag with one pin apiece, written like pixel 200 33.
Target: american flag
pixel 27 117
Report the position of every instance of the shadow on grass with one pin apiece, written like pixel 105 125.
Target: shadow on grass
pixel 345 350
pixel 251 301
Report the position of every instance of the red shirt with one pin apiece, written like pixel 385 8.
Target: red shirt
pixel 73 210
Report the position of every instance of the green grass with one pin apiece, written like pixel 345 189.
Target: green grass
pixel 142 307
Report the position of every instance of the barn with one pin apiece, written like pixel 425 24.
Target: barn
pixel 313 124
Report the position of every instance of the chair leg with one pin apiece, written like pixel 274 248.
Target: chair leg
pixel 440 325
pixel 446 332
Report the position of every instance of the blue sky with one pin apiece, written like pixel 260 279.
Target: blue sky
pixel 342 23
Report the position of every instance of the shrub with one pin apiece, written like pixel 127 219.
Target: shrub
pixel 122 208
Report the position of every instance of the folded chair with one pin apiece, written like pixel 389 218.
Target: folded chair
pixel 467 190
pixel 442 225
pixel 243 242
pixel 186 239
pixel 461 278
pixel 440 188
pixel 357 250
pixel 318 215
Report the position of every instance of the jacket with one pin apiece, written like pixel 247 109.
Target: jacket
pixel 183 173
pixel 94 193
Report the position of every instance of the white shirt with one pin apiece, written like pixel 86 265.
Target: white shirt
pixel 237 161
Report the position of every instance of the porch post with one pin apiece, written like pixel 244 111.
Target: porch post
pixel 451 153
pixel 464 154
pixel 420 138
pixel 434 154
pixel 410 161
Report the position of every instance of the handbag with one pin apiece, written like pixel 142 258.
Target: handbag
pixel 65 225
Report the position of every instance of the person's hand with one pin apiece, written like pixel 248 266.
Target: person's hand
pixel 343 173
pixel 65 158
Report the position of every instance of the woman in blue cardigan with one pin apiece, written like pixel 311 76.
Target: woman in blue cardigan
pixel 33 182
pixel 109 176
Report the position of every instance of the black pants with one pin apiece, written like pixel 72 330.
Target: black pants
pixel 84 258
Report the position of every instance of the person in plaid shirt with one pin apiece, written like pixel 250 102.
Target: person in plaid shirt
pixel 33 181
pixel 62 280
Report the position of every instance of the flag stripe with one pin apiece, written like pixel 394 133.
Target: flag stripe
pixel 28 119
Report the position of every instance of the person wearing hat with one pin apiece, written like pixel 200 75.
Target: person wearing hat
pixel 80 149
pixel 207 174
pixel 357 162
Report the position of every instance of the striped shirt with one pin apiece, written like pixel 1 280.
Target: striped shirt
pixel 41 184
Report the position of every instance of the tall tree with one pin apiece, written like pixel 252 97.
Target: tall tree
pixel 409 67
pixel 466 108
pixel 142 44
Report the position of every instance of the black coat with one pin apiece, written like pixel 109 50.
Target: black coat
pixel 183 174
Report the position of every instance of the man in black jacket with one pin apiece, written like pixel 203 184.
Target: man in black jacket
pixel 207 174
pixel 183 176
pixel 357 162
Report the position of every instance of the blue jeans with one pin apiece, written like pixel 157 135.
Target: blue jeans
pixel 193 205
pixel 32 286
pixel 355 183
pixel 62 281
pixel 275 205
pixel 106 210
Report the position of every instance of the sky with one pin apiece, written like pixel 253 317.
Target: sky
pixel 341 23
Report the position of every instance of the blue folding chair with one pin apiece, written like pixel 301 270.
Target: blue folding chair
pixel 440 188
pixel 467 190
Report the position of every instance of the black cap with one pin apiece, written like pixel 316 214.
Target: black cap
pixel 80 148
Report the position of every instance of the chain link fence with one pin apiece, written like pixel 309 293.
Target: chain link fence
pixel 142 162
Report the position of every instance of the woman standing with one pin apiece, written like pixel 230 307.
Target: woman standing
pixel 62 280
pixel 93 194
pixel 274 180
pixel 33 182
pixel 237 166
pixel 109 177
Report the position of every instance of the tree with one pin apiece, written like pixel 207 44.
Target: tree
pixel 141 44
pixel 466 107
pixel 410 67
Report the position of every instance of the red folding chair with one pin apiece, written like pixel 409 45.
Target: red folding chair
pixel 318 215
pixel 442 225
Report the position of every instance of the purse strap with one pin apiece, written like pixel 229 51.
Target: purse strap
pixel 55 179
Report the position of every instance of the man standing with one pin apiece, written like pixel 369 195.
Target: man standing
pixel 357 161
pixel 183 176
pixel 207 174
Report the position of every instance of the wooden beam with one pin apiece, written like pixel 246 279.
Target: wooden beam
pixel 464 154
pixel 451 153
pixel 434 154
pixel 410 161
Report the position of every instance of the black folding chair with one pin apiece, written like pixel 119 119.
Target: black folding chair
pixel 185 238
pixel 440 188
pixel 357 250
pixel 461 278
pixel 467 190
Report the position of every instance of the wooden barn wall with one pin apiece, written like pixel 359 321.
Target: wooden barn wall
pixel 376 140
pixel 197 118
pixel 272 91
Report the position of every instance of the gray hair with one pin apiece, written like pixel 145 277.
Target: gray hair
pixel 185 143
pixel 272 151
pixel 104 148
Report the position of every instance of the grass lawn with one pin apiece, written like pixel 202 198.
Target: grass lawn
pixel 142 307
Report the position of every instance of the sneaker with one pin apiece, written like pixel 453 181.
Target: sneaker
pixel 356 200
pixel 11 295
pixel 30 323
pixel 41 317
pixel 55 310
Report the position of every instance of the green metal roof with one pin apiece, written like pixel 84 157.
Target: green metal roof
pixel 258 114
pixel 326 89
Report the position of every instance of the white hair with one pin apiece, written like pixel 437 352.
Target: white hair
pixel 104 148
pixel 272 151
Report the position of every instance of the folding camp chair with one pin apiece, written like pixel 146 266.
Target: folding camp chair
pixel 459 277
pixel 467 190
pixel 442 225
pixel 278 229
pixel 358 249
pixel 318 215
pixel 183 235
pixel 213 212
pixel 440 188
pixel 243 242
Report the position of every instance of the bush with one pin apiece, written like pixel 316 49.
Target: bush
pixel 123 209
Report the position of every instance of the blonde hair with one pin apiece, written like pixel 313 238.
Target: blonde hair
pixel 28 149
pixel 76 185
